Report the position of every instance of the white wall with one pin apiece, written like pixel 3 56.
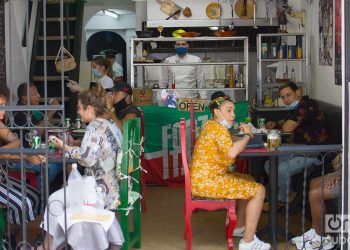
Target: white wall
pixel 322 77
pixel 16 66
pixel 124 26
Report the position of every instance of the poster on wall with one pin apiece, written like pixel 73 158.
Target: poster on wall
pixel 337 42
pixel 325 17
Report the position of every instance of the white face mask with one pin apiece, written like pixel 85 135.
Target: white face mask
pixel 225 123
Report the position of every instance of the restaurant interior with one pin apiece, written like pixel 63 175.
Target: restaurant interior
pixel 174 124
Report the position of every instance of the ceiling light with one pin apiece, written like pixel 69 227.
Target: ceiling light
pixel 110 13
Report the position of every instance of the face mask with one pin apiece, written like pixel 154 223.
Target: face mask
pixel 225 123
pixel 181 51
pixel 120 105
pixel 95 73
pixel 293 105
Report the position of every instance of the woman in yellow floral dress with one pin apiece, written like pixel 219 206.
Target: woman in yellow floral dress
pixel 213 154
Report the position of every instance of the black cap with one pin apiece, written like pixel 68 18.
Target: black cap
pixel 121 86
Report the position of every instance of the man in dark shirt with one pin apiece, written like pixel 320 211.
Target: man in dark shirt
pixel 32 120
pixel 308 125
pixel 119 104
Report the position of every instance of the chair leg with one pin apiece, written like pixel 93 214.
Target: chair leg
pixel 188 230
pixel 231 221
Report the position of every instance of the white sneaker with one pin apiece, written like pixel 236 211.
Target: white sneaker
pixel 316 243
pixel 238 232
pixel 254 244
pixel 307 236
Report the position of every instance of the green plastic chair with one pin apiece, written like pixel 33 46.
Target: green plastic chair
pixel 2 225
pixel 131 141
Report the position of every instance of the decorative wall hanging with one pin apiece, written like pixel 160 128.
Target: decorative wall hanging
pixel 337 42
pixel 325 17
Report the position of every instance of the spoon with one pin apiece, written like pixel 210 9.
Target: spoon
pixel 254 26
pixel 232 25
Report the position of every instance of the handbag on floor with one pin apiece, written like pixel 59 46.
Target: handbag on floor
pixel 69 63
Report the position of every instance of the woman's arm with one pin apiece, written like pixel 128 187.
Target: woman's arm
pixel 88 152
pixel 9 139
pixel 238 147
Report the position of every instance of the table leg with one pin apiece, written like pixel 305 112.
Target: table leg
pixel 272 229
pixel 273 195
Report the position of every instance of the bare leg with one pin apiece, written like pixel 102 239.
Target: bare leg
pixel 48 243
pixel 240 212
pixel 315 198
pixel 253 212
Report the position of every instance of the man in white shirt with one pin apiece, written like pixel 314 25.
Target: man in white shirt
pixel 186 77
pixel 118 71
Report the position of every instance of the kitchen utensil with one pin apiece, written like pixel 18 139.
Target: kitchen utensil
pixel 254 26
pixel 172 15
pixel 244 8
pixel 187 12
pixel 169 8
pixel 225 33
pixel 190 34
pixel 232 25
pixel 213 11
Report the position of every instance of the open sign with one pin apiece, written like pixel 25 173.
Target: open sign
pixel 184 104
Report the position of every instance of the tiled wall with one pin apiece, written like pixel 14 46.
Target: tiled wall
pixel 2 43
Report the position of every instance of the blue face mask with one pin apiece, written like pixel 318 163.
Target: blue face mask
pixel 181 51
pixel 293 105
pixel 95 73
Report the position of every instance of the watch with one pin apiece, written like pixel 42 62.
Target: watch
pixel 111 109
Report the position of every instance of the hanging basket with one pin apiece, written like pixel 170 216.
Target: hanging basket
pixel 68 63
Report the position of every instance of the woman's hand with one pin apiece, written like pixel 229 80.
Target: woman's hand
pixel 55 141
pixel 331 183
pixel 109 101
pixel 36 159
pixel 246 129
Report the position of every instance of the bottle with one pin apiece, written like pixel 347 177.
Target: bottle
pixel 241 80
pixel 100 199
pixel 299 47
pixel 173 84
pixel 292 76
pixel 236 81
pixel 89 189
pixel 231 83
pixel 75 188
pixel 144 54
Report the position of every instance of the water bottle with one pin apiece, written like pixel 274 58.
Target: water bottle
pixel 89 189
pixel 100 199
pixel 75 188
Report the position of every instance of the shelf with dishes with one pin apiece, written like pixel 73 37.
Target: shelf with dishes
pixel 223 69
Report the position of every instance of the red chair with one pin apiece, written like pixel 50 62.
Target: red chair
pixel 192 203
pixel 143 163
pixel 30 176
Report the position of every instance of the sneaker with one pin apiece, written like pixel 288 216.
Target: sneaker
pixel 316 243
pixel 254 244
pixel 307 236
pixel 238 232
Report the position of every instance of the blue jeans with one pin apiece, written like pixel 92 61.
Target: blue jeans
pixel 288 167
pixel 54 169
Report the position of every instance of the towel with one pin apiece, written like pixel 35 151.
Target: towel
pixel 281 70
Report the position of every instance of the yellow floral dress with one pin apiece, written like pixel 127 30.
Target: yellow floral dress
pixel 209 168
